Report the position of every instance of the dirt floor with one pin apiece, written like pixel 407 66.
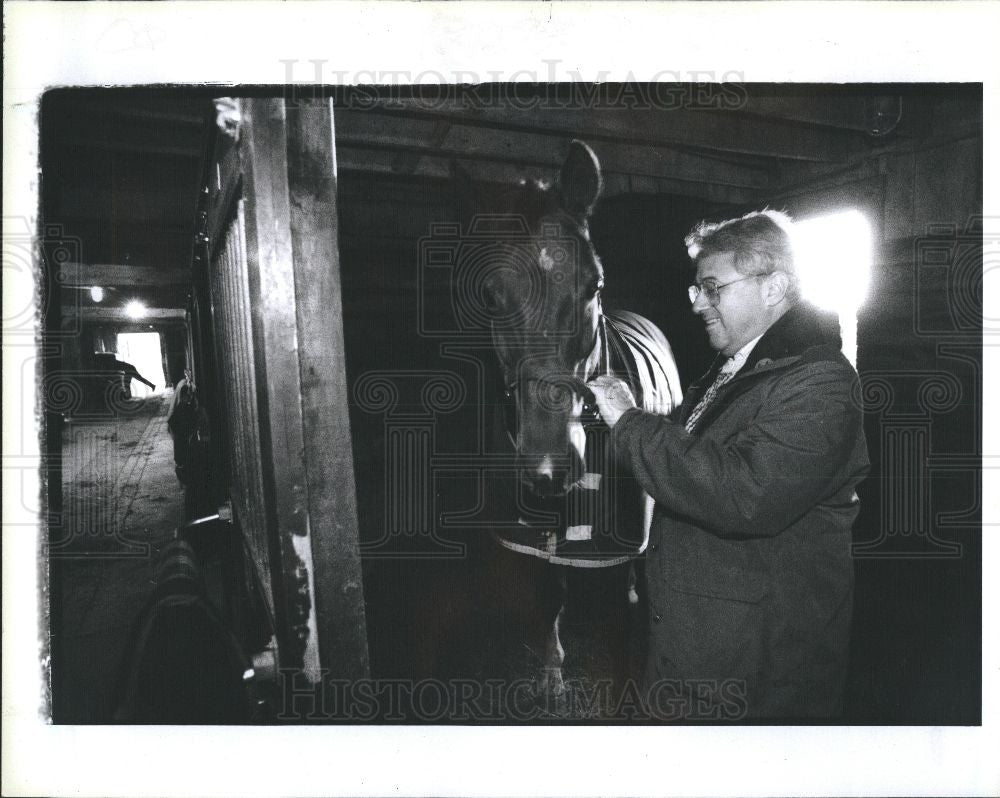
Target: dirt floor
pixel 121 504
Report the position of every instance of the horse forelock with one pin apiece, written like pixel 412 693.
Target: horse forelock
pixel 535 263
pixel 531 200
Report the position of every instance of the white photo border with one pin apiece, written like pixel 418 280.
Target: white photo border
pixel 82 44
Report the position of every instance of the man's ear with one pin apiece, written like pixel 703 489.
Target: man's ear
pixel 580 180
pixel 776 287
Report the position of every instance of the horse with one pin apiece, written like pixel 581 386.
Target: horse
pixel 565 507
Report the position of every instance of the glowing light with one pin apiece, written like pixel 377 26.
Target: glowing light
pixel 135 309
pixel 833 256
pixel 97 293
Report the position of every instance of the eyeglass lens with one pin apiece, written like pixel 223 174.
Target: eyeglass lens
pixel 710 290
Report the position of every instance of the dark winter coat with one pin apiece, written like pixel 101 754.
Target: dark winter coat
pixel 749 569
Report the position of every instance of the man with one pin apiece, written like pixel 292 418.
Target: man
pixel 749 574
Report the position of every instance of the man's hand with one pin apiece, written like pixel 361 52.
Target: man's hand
pixel 613 398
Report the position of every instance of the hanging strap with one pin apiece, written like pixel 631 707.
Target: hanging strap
pixel 605 349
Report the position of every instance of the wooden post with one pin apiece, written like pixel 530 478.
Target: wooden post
pixel 333 514
pixel 289 172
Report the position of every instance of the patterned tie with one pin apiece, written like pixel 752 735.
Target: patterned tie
pixel 725 375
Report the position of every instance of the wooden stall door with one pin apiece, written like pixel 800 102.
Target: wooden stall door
pixel 274 283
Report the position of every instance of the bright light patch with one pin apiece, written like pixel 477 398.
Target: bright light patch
pixel 135 309
pixel 834 261
pixel 97 293
pixel 142 350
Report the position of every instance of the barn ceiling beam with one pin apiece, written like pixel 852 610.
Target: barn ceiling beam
pixel 717 133
pixel 361 164
pixel 539 144
pixel 406 163
pixel 126 275
pixel 844 113
pixel 623 157
pixel 638 162
pixel 120 314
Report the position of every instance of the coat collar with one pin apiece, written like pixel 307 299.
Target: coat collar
pixel 804 332
pixel 803 329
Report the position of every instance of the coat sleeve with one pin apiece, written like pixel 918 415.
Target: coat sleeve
pixel 759 480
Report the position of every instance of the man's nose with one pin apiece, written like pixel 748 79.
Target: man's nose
pixel 700 303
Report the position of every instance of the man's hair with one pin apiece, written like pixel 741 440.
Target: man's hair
pixel 761 243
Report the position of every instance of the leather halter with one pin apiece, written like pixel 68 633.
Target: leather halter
pixel 590 409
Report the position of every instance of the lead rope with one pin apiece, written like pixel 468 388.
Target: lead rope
pixel 604 363
pixel 605 351
pixel 604 360
pixel 631 592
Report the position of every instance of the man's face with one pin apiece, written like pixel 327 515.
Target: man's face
pixel 741 314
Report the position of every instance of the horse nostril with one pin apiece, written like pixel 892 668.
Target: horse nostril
pixel 543 478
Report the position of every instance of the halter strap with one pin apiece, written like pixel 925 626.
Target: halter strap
pixel 511 385
pixel 605 349
pixel 603 364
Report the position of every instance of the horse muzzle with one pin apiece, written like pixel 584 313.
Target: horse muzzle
pixel 549 476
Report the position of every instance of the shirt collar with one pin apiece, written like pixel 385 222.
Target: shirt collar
pixel 736 362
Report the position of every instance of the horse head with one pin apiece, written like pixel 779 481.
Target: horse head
pixel 540 280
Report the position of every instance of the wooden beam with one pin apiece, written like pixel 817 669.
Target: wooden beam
pixel 718 133
pixel 272 304
pixel 406 163
pixel 119 314
pixel 290 194
pixel 325 392
pixel 363 164
pixel 838 112
pixel 120 274
pixel 362 130
pixel 629 160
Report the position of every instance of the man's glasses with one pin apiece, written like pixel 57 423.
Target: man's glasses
pixel 711 290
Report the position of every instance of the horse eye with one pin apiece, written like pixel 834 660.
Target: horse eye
pixel 595 288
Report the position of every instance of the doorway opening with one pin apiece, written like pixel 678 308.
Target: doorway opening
pixel 143 351
pixel 833 254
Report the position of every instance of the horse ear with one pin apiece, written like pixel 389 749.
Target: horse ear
pixel 580 179
pixel 466 194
